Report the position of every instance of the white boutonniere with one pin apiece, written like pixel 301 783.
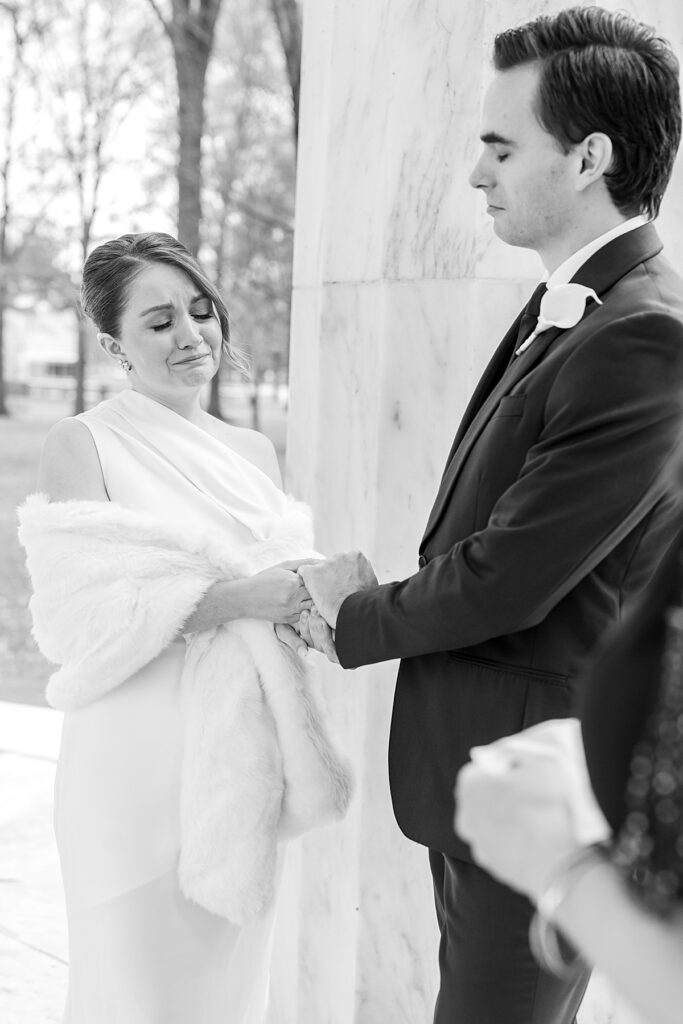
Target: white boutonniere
pixel 563 305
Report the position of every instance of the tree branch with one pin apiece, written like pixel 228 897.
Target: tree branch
pixel 270 220
pixel 162 20
pixel 288 21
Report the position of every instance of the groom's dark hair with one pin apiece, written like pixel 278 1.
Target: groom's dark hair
pixel 605 72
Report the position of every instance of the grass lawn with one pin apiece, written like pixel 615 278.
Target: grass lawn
pixel 23 670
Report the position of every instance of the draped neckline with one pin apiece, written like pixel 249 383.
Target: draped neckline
pixel 203 461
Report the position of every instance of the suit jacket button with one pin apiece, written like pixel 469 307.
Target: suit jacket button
pixel 422 561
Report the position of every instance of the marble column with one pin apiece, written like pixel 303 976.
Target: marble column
pixel 401 292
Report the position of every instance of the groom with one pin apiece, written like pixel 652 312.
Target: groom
pixel 550 515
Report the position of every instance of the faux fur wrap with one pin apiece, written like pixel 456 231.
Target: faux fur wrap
pixel 112 588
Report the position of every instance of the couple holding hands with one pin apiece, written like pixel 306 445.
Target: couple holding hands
pixel 160 551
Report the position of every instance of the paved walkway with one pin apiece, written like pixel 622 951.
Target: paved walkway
pixel 33 938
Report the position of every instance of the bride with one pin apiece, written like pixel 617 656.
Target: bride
pixel 161 550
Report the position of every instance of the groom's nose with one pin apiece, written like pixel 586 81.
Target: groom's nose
pixel 478 177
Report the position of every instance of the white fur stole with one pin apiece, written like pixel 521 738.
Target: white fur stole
pixel 112 588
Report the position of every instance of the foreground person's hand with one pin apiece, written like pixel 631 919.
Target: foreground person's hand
pixel 519 808
pixel 516 831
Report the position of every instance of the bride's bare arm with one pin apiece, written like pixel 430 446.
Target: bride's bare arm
pixel 70 470
pixel 69 464
pixel 277 595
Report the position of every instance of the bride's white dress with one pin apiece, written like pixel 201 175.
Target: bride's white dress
pixel 139 952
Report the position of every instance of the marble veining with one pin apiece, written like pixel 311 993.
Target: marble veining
pixel 401 293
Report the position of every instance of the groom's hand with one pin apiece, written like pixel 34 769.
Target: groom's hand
pixel 329 583
pixel 315 631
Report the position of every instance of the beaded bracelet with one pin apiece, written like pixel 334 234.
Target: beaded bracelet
pixel 648 849
pixel 551 949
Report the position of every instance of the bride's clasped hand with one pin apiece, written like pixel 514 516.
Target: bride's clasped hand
pixel 328 582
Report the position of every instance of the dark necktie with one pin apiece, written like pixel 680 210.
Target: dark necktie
pixel 530 314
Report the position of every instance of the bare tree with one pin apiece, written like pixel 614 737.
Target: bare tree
pixel 89 90
pixel 191 30
pixel 226 149
pixel 249 186
pixel 8 148
pixel 288 20
pixel 221 132
pixel 226 178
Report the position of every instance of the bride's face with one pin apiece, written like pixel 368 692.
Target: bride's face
pixel 169 333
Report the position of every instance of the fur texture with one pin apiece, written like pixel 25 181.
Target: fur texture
pixel 112 588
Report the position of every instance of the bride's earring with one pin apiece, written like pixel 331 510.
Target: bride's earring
pixel 125 365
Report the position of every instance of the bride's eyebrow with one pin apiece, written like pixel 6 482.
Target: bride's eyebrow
pixel 170 305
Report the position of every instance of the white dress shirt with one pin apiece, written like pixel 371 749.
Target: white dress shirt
pixel 565 272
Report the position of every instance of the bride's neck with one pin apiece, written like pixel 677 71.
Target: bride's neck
pixel 188 406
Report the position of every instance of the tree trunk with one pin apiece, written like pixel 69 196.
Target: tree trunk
pixel 191 71
pixel 254 401
pixel 3 389
pixel 79 398
pixel 288 21
pixel 5 173
pixel 81 364
pixel 191 31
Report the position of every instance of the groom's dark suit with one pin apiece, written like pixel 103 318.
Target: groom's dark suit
pixel 549 518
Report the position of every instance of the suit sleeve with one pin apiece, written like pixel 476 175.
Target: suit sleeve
pixel 612 421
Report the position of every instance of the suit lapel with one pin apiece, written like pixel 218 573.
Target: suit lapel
pixel 518 369
pixel 600 272
pixel 488 380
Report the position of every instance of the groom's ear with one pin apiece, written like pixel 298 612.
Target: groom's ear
pixel 595 154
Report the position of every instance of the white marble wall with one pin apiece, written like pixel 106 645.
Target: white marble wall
pixel 401 292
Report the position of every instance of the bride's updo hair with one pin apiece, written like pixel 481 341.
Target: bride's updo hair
pixel 111 268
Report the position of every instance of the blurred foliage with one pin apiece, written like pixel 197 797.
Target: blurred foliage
pixel 249 183
pixel 93 153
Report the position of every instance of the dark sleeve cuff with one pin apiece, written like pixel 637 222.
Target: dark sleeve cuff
pixel 356 641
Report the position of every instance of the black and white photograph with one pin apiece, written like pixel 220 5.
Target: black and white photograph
pixel 341 512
